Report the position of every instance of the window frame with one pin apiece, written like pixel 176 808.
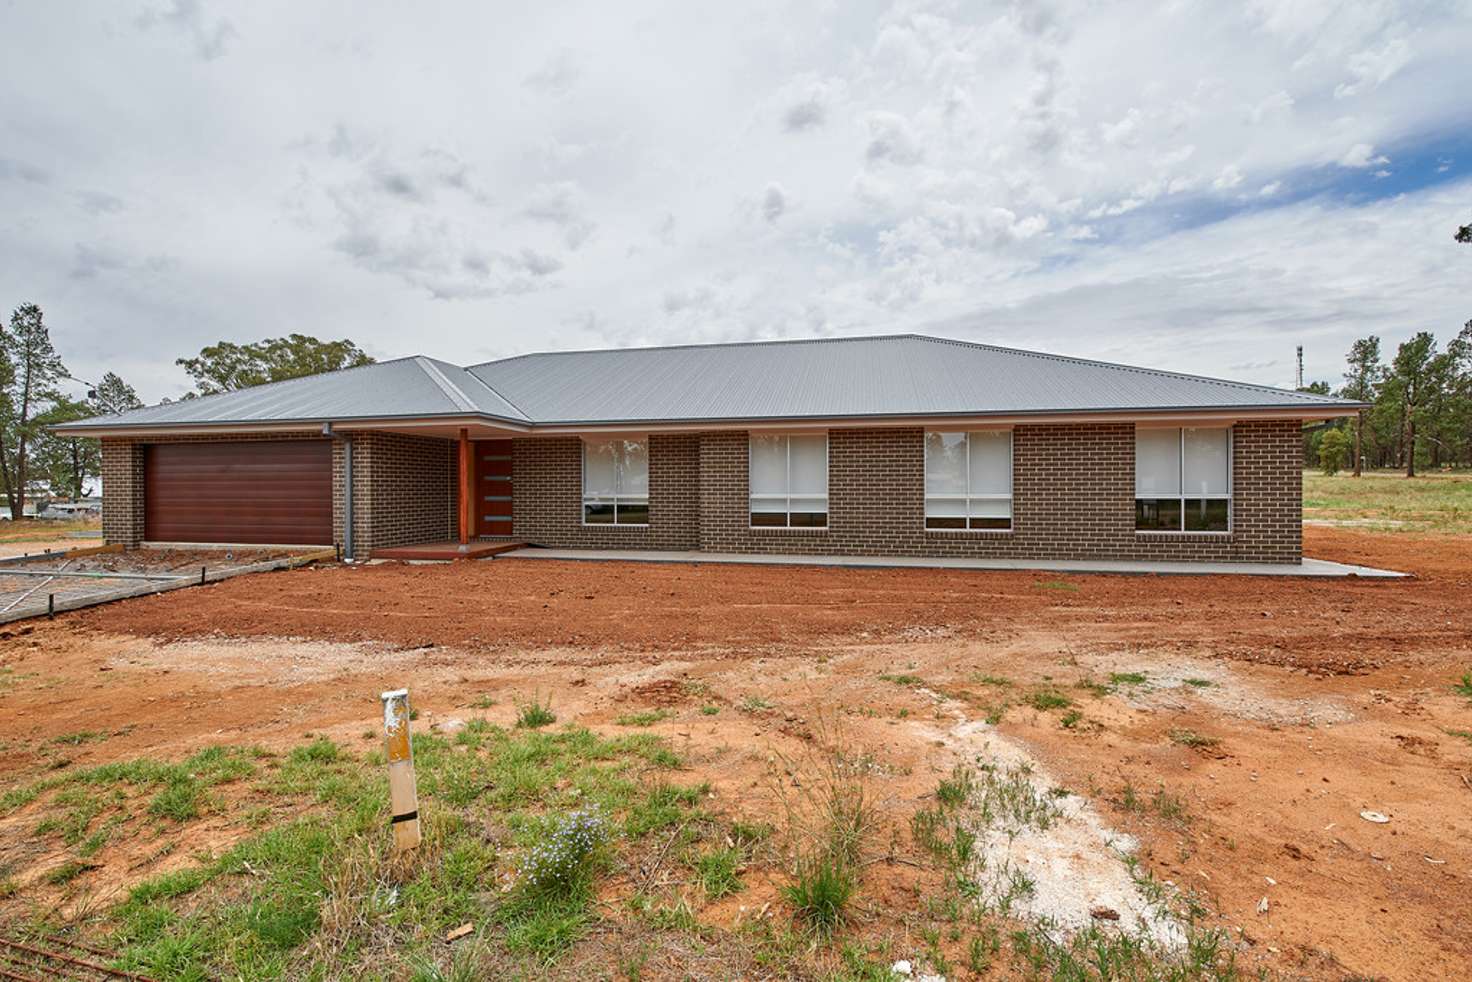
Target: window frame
pixel 751 496
pixel 1009 497
pixel 617 499
pixel 1182 497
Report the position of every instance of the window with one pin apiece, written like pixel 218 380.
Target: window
pixel 615 482
pixel 789 481
pixel 1183 480
pixel 968 480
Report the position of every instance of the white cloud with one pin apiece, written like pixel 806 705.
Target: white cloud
pixel 1362 155
pixel 210 35
pixel 1061 175
pixel 1230 176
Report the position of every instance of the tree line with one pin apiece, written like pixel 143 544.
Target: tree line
pixel 34 461
pixel 1421 405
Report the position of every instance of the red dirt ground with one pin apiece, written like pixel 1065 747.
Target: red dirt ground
pixel 1328 697
pixel 1328 626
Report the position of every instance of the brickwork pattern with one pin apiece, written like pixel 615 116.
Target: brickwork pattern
pixel 1072 498
pixel 547 495
pixel 405 491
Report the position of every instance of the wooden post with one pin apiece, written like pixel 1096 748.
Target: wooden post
pixel 467 490
pixel 403 793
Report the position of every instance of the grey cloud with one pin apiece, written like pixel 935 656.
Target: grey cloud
pixel 561 205
pixel 806 115
pixel 774 202
pixel 556 76
pixel 891 139
pixel 88 261
pixel 698 298
pixel 539 264
pixel 188 17
pixel 19 170
pixel 99 202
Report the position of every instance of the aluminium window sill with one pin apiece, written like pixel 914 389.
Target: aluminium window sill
pixel 1182 534
pixel 973 533
pixel 784 529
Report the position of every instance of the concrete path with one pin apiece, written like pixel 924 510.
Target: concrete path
pixel 1309 567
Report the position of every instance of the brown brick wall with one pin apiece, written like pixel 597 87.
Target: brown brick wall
pixel 404 487
pixel 405 490
pixel 1072 498
pixel 547 495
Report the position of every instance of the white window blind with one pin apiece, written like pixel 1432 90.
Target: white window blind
pixel 788 476
pixel 615 482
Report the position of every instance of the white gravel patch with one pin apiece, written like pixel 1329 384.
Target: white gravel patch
pixel 1076 866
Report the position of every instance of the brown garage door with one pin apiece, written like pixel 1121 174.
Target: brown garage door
pixel 277 491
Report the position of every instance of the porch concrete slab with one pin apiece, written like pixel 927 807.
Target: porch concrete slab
pixel 1317 568
pixel 445 551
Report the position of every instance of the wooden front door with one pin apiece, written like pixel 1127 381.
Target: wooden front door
pixel 492 486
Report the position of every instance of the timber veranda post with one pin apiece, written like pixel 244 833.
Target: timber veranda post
pixel 403 792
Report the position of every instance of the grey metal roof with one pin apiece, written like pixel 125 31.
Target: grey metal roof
pixel 410 387
pixel 897 375
pixel 889 376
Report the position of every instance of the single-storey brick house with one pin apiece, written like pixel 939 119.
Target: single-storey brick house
pixel 900 445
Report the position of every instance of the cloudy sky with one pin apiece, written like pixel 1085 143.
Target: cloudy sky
pixel 1193 185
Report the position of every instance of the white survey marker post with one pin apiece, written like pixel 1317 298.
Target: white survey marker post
pixel 403 794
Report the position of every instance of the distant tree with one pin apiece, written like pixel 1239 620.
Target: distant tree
pixel 1464 234
pixel 1407 387
pixel 1362 383
pixel 70 462
pixel 1312 435
pixel 1333 451
pixel 113 396
pixel 227 366
pixel 29 372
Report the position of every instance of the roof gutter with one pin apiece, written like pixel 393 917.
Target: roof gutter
pixel 1161 416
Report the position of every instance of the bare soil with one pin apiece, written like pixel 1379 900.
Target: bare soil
pixel 1305 701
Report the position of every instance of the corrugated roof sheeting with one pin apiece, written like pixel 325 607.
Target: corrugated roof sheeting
pixel 888 376
pixel 902 375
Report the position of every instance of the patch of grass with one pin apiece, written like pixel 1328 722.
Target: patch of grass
pixel 646 718
pixel 1046 699
pixel 821 893
pixel 80 737
pixel 67 871
pixel 1463 686
pixel 709 710
pixel 754 704
pixel 992 680
pixel 482 702
pixel 1440 502
pixel 1200 683
pixel 954 791
pixel 1064 585
pixel 1093 687
pixel 1461 734
pixel 535 713
pixel 1127 678
pixel 1070 719
pixel 718 873
pixel 1190 738
pixel 906 680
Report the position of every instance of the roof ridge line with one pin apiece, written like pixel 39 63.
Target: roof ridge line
pixel 450 389
pixel 1163 372
pixel 470 370
pixel 756 342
